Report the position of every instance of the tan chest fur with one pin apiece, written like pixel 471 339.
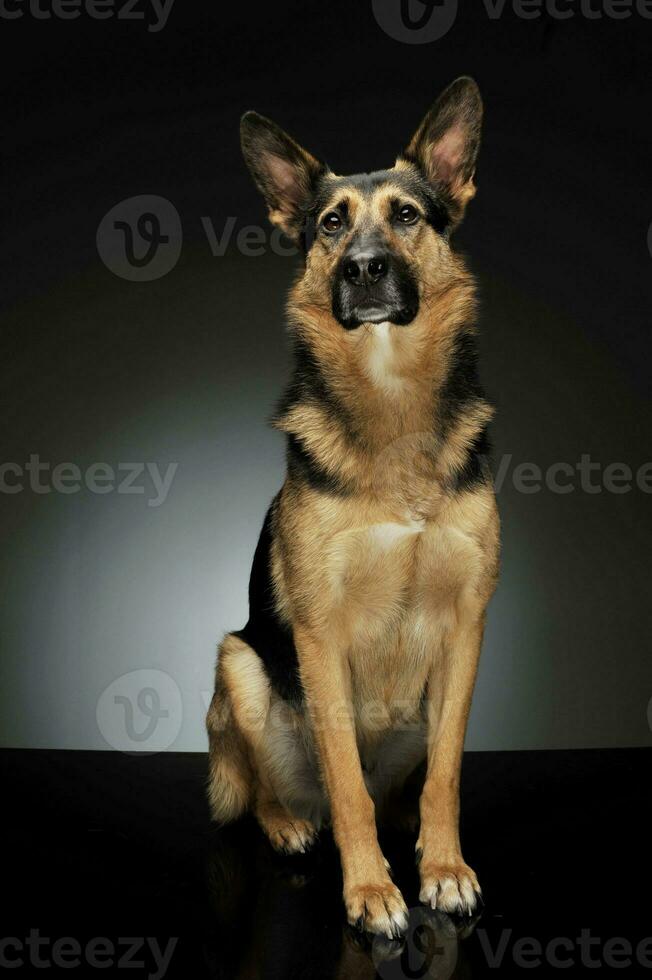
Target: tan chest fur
pixel 385 587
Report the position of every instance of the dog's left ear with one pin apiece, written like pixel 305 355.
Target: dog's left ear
pixel 446 144
pixel 283 171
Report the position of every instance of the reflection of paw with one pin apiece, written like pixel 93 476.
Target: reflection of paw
pixel 289 835
pixel 377 908
pixel 450 888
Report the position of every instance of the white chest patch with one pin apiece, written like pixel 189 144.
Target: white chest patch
pixel 381 358
pixel 387 535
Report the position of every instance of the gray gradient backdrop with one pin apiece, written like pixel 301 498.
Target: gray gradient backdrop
pixel 186 369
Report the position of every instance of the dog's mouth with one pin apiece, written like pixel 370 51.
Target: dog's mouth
pixel 377 312
pixel 372 312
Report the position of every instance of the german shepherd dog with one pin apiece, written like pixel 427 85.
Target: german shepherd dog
pixel 379 554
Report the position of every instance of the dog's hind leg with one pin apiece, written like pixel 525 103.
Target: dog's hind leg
pixel 257 759
pixel 230 775
pixel 285 832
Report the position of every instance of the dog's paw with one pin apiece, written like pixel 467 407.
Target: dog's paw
pixel 290 835
pixel 451 888
pixel 377 908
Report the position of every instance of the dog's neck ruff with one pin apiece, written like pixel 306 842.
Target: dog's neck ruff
pixel 383 405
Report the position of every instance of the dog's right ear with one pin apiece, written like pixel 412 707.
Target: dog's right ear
pixel 285 173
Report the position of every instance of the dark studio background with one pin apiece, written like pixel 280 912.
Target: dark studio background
pixel 186 368
pixel 105 598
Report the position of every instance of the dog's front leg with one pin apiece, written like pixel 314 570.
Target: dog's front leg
pixel 373 902
pixel 447 882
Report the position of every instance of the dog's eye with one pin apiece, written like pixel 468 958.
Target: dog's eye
pixel 332 221
pixel 407 215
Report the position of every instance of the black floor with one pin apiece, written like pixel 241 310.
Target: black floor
pixel 110 864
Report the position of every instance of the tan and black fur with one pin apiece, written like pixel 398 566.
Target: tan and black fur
pixel 380 552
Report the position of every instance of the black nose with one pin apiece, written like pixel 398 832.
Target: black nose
pixel 364 269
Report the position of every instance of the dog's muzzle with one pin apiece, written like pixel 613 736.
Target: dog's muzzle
pixel 373 286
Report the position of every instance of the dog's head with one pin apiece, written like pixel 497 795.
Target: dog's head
pixel 376 244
